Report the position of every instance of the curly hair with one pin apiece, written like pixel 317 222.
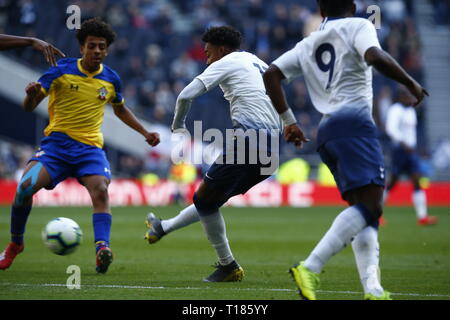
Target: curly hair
pixel 223 36
pixel 335 7
pixel 97 28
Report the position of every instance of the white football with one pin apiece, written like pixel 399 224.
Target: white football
pixel 62 236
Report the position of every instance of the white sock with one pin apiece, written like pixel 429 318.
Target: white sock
pixel 420 203
pixel 367 250
pixel 385 195
pixel 186 217
pixel 346 225
pixel 215 229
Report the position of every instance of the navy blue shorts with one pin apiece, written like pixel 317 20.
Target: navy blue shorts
pixel 354 162
pixel 404 162
pixel 235 177
pixel 65 157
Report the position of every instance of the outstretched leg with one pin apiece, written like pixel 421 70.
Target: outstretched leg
pixel 35 177
pixel 208 200
pixel 159 228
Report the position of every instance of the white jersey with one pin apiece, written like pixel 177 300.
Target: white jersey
pixel 239 75
pixel 332 61
pixel 401 124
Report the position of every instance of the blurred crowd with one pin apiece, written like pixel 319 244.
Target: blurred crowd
pixel 13 158
pixel 159 50
pixel 441 11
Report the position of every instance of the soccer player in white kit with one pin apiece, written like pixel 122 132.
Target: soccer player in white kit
pixel 335 62
pixel 239 75
pixel 401 127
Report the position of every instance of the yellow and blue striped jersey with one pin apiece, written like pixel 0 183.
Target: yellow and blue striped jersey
pixel 77 99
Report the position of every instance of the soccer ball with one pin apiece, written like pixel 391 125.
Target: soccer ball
pixel 62 236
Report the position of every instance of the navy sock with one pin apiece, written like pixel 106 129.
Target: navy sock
pixel 102 229
pixel 19 217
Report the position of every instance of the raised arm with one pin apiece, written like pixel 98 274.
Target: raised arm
pixel 387 66
pixel 184 101
pixel 49 51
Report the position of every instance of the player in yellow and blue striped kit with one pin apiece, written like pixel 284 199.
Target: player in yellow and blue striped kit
pixel 78 91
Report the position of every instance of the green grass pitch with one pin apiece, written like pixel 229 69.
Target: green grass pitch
pixel 415 261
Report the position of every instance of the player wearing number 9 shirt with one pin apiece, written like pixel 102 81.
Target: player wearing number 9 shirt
pixel 336 62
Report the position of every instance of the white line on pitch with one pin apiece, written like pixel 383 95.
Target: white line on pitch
pixel 203 288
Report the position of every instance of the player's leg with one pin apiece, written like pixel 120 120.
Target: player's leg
pixel 34 178
pixel 357 166
pixel 347 225
pixel 91 167
pixel 419 199
pixel 207 201
pixel 158 228
pixel 366 250
pixel 344 228
pixel 97 186
pixel 210 200
pixel 222 182
pixel 365 244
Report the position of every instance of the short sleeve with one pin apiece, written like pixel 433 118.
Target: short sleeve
pixel 47 79
pixel 366 37
pixel 289 63
pixel 118 98
pixel 214 74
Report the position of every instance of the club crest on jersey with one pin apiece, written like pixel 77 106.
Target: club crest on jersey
pixel 102 93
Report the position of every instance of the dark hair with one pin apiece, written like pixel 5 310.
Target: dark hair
pixel 97 28
pixel 333 8
pixel 223 36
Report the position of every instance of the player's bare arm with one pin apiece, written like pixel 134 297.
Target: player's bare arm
pixel 49 51
pixel 34 96
pixel 386 65
pixel 272 80
pixel 127 117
